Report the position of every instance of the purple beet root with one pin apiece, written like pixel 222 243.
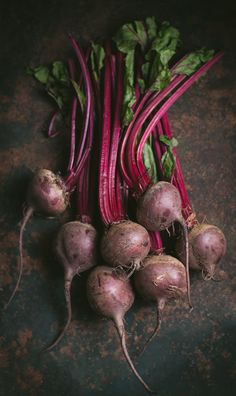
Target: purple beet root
pixel 112 297
pixel 160 279
pixel 46 195
pixel 207 245
pixel 158 208
pixel 75 248
pixel 125 245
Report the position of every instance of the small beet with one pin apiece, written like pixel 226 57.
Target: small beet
pixel 161 278
pixel 46 195
pixel 158 208
pixel 125 244
pixel 112 296
pixel 207 245
pixel 75 248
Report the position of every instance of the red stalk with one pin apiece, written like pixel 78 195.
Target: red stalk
pixel 164 108
pixel 115 195
pixel 178 179
pixel 104 206
pixel 134 170
pixel 125 173
pixel 72 142
pixel 51 132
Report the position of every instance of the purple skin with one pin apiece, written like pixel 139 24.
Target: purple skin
pixel 207 245
pixel 76 250
pixel 46 195
pixel 125 245
pixel 158 208
pixel 160 279
pixel 112 296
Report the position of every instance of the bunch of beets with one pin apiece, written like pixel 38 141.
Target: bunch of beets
pixel 125 172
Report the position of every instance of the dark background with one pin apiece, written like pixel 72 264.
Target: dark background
pixel 195 353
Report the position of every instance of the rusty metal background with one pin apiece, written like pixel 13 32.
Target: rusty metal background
pixel 195 353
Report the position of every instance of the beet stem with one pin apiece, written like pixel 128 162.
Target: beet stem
pixel 73 128
pixel 26 218
pixel 138 161
pixel 67 291
pixel 103 191
pixel 178 179
pixel 51 132
pixel 121 331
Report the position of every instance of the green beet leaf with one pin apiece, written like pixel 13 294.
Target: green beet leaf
pixel 192 61
pixel 80 94
pixel 41 73
pixel 97 60
pixel 149 160
pixel 168 158
pixel 60 72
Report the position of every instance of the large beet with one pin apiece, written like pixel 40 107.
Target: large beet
pixel 162 277
pixel 125 244
pixel 75 248
pixel 112 296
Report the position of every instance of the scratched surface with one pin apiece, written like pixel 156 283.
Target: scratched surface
pixel 194 354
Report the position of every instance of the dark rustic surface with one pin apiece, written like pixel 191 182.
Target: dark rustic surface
pixel 195 354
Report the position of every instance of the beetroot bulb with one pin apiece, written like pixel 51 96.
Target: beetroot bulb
pixel 161 278
pixel 125 243
pixel 207 246
pixel 75 249
pixel 207 243
pixel 112 296
pixel 48 194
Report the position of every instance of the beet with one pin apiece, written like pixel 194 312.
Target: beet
pixel 125 245
pixel 75 248
pixel 161 278
pixel 158 208
pixel 112 296
pixel 207 245
pixel 47 196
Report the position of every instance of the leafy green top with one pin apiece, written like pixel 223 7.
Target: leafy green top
pixel 56 80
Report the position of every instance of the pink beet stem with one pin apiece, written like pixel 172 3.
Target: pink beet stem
pixel 115 193
pixel 89 99
pixel 164 108
pixel 51 132
pixel 178 180
pixel 72 142
pixel 123 164
pixel 104 206
pixel 134 172
pixel 156 242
